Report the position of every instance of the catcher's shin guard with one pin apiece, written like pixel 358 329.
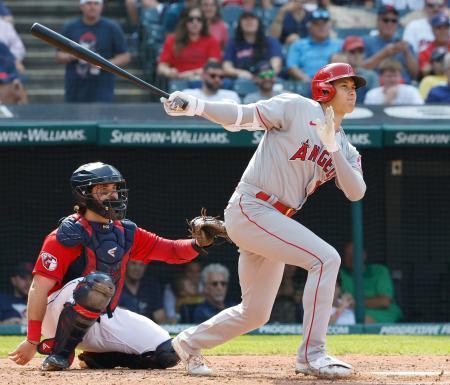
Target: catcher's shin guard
pixel 91 296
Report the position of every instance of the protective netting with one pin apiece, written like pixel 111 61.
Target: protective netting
pixel 406 210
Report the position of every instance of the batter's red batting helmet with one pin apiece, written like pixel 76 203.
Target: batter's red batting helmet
pixel 323 90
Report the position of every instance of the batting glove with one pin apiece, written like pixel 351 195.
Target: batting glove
pixel 182 104
pixel 326 130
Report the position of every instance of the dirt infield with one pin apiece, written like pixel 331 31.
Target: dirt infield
pixel 242 370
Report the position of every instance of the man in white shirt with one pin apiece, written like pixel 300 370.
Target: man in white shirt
pixel 392 91
pixel 212 78
pixel 418 32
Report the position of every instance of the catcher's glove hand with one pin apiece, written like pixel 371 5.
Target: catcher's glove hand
pixel 206 229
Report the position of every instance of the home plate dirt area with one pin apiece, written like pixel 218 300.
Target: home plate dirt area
pixel 246 370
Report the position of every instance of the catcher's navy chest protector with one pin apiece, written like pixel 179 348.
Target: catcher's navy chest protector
pixel 106 248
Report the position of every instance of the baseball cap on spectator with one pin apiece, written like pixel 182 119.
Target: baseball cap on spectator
pixel 24 269
pixel 438 53
pixel 353 42
pixel 90 1
pixel 439 20
pixel 387 9
pixel 320 14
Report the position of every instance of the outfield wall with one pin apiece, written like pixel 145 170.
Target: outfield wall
pixel 176 166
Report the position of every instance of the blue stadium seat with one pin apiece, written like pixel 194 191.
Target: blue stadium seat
pixel 267 16
pixel 177 85
pixel 244 87
pixel 150 16
pixel 342 33
pixel 231 13
pixel 298 87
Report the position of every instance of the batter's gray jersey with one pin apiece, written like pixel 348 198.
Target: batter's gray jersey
pixel 290 161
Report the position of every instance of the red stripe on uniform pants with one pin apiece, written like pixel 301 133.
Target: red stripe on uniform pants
pixel 85 312
pixel 306 251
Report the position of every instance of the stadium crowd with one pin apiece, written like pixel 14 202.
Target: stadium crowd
pixel 263 47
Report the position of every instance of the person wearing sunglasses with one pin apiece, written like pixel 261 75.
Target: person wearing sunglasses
pixel 418 31
pixel 265 79
pixel 386 45
pixel 212 80
pixel 187 50
pixel 215 280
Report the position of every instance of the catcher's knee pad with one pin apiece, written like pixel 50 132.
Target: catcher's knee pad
pixel 94 292
pixel 165 355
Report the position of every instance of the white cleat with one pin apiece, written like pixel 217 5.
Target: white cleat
pixel 195 364
pixel 325 367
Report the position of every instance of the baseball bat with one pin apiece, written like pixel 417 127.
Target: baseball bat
pixel 64 44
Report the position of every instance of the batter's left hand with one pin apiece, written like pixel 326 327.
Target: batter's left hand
pixel 326 132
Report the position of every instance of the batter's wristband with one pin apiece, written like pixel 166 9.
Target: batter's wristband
pixel 34 330
pixel 200 107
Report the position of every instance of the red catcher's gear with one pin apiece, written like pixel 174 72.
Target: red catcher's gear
pixel 323 90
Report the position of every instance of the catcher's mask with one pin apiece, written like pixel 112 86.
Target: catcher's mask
pixel 85 177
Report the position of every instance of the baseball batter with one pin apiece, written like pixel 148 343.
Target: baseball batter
pixel 79 275
pixel 303 147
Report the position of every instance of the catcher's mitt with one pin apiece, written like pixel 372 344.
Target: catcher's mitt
pixel 206 229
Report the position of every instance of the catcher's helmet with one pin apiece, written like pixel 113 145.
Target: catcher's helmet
pixel 91 174
pixel 323 90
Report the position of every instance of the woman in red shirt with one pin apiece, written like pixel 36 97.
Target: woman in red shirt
pixel 187 50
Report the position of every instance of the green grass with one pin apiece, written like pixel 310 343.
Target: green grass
pixel 287 345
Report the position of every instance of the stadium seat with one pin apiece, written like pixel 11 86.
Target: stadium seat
pixel 177 85
pixel 342 33
pixel 298 87
pixel 267 16
pixel 187 313
pixel 150 16
pixel 231 13
pixel 244 87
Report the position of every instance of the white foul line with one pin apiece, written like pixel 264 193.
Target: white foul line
pixel 410 374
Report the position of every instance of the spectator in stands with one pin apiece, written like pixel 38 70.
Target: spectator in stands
pixel 212 80
pixel 417 32
pixel 13 306
pixel 11 88
pixel 249 47
pixel 140 295
pixel 287 307
pixel 265 80
pixel 12 40
pixel 133 10
pixel 290 24
pixel 193 288
pixel 217 27
pixel 5 13
pixel 187 298
pixel 187 50
pixel 437 75
pixel 173 13
pixel 342 312
pixel 379 299
pixel 393 91
pixel 306 56
pixel 215 280
pixel 441 94
pixel 354 48
pixel 85 82
pixel 440 24
pixel 386 45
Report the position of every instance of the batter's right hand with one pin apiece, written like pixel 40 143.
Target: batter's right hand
pixel 24 352
pixel 174 105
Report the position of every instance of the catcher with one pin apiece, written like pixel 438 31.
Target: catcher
pixel 79 275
